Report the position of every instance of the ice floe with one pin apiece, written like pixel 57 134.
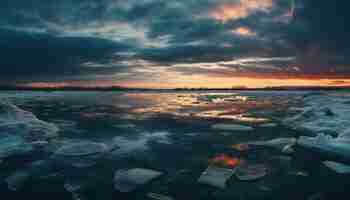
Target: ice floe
pixel 323 113
pixel 82 149
pixel 251 172
pixel 299 173
pixel 327 117
pixel 335 149
pixel 158 196
pixel 216 176
pixel 129 180
pixel 231 127
pixel 285 145
pixel 13 145
pixel 140 143
pixel 16 121
pixel 268 125
pixel 80 154
pixel 73 188
pixel 337 167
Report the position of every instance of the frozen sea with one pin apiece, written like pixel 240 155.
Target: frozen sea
pixel 71 145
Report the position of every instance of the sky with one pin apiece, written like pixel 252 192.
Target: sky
pixel 171 44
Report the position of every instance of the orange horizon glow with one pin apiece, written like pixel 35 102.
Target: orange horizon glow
pixel 197 81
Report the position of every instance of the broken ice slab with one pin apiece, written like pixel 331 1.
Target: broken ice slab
pixel 129 180
pixel 324 113
pixel 73 187
pixel 216 177
pixel 268 125
pixel 329 148
pixel 299 173
pixel 23 123
pixel 158 196
pixel 337 167
pixel 82 149
pixel 231 127
pixel 251 172
pixel 80 154
pixel 282 144
pixel 13 145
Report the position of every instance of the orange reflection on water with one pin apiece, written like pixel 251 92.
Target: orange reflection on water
pixel 228 106
pixel 225 115
pixel 241 147
pixel 225 161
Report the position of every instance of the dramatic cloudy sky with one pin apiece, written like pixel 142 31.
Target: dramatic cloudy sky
pixel 174 43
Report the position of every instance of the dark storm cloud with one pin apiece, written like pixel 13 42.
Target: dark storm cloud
pixel 83 38
pixel 320 34
pixel 328 22
pixel 42 55
pixel 210 53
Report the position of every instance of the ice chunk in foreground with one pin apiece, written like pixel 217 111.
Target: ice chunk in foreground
pixel 337 167
pixel 231 127
pixel 335 149
pixel 158 196
pixel 129 180
pixel 251 172
pixel 73 188
pixel 279 143
pixel 82 149
pixel 12 145
pixel 215 176
pixel 14 120
pixel 80 154
pixel 141 143
pixel 268 125
pixel 323 113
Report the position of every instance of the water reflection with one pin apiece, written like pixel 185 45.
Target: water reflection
pixel 228 106
pixel 178 134
pixel 225 161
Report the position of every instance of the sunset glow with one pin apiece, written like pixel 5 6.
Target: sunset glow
pixel 214 44
pixel 243 31
pixel 197 81
pixel 200 82
pixel 175 99
pixel 239 10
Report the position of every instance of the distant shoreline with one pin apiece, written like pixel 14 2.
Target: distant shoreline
pixel 296 88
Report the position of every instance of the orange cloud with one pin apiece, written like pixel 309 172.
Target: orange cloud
pixel 243 31
pixel 239 10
